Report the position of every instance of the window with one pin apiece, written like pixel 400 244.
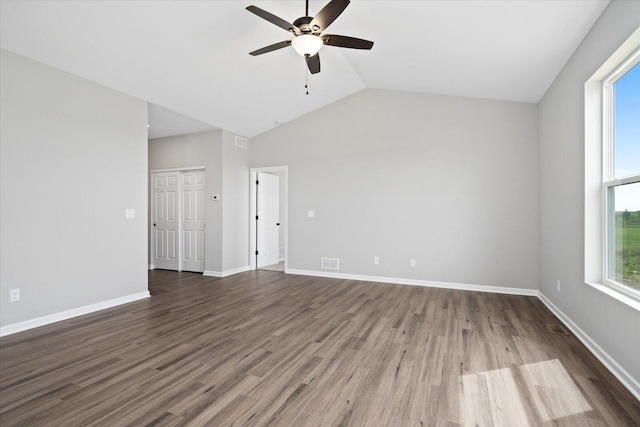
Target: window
pixel 621 177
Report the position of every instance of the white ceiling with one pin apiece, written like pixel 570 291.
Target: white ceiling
pixel 191 57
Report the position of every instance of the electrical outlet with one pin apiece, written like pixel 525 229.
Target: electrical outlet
pixel 412 262
pixel 376 260
pixel 558 285
pixel 14 295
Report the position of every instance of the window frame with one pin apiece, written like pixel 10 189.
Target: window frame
pixel 609 180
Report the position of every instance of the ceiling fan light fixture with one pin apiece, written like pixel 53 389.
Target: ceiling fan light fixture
pixel 307 44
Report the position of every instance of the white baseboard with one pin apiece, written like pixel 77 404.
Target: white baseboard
pixel 57 317
pixel 212 273
pixel 225 273
pixel 415 282
pixel 152 267
pixel 609 362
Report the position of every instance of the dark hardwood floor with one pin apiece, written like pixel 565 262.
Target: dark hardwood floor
pixel 263 348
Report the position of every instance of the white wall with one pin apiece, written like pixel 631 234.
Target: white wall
pixel 611 325
pixel 197 149
pixel 449 181
pixel 73 158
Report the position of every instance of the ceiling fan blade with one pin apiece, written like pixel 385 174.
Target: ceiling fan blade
pixel 271 48
pixel 346 41
pixel 329 13
pixel 273 19
pixel 313 62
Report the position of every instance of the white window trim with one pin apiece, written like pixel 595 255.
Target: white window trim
pixel 608 171
pixel 594 223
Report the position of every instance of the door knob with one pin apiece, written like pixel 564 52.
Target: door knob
pixel 277 223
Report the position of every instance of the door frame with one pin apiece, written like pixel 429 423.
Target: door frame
pixel 152 212
pixel 284 220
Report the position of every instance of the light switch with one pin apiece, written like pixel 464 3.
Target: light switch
pixel 311 214
pixel 129 213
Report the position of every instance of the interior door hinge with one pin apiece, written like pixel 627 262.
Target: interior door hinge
pixel 256 252
pixel 257 182
pixel 256 217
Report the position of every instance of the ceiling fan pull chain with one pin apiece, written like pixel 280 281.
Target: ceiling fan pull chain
pixel 306 79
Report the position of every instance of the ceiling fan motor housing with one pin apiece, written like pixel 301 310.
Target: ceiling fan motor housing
pixel 303 24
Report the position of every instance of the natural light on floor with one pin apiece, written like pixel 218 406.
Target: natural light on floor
pixel 503 396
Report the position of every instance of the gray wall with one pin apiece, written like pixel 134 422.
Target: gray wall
pixel 449 181
pixel 614 326
pixel 227 174
pixel 235 204
pixel 73 158
pixel 197 149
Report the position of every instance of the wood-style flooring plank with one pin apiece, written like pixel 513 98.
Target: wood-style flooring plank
pixel 263 348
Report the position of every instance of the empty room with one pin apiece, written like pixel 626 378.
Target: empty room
pixel 320 213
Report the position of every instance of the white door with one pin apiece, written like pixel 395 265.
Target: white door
pixel 193 221
pixel 166 199
pixel 268 222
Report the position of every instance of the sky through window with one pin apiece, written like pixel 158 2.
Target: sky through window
pixel 627 136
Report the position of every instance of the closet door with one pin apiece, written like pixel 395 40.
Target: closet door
pixel 192 240
pixel 166 199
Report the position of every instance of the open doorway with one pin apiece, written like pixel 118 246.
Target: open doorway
pixel 269 218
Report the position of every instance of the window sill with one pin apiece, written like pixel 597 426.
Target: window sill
pixel 625 299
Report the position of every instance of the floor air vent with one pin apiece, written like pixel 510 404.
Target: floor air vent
pixel 330 263
pixel 557 329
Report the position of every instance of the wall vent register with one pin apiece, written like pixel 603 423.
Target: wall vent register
pixel 330 263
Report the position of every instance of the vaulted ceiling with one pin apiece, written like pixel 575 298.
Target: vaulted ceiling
pixel 191 57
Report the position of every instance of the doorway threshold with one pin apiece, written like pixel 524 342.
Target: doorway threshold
pixel 274 267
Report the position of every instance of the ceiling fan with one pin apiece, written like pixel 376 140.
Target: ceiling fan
pixel 308 33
